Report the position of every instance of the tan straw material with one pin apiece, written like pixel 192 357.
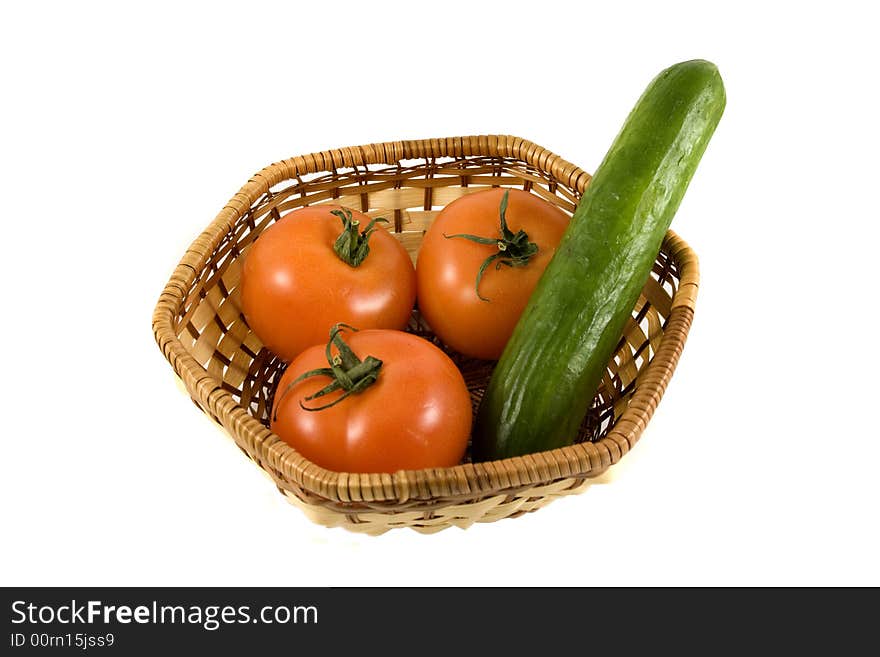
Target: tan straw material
pixel 199 327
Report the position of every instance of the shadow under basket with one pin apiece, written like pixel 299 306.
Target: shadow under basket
pixel 230 376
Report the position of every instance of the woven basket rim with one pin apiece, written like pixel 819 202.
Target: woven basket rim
pixel 581 460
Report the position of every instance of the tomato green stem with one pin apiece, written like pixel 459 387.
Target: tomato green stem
pixel 347 372
pixel 352 246
pixel 514 249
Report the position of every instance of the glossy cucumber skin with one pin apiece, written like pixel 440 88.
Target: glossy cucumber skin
pixel 551 368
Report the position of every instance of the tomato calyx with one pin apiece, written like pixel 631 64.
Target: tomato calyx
pixel 514 249
pixel 353 246
pixel 348 372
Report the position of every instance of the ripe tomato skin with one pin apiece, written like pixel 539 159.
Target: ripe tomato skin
pixel 294 287
pixel 416 415
pixel 447 268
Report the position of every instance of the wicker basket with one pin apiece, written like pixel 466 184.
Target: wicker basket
pixel 228 373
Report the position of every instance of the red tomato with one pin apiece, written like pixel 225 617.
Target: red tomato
pixel 447 268
pixel 294 287
pixel 416 414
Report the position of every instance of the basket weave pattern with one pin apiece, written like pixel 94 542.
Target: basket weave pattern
pixel 199 327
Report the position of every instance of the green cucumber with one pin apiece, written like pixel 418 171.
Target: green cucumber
pixel 545 380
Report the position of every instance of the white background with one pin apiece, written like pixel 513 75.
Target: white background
pixel 126 129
